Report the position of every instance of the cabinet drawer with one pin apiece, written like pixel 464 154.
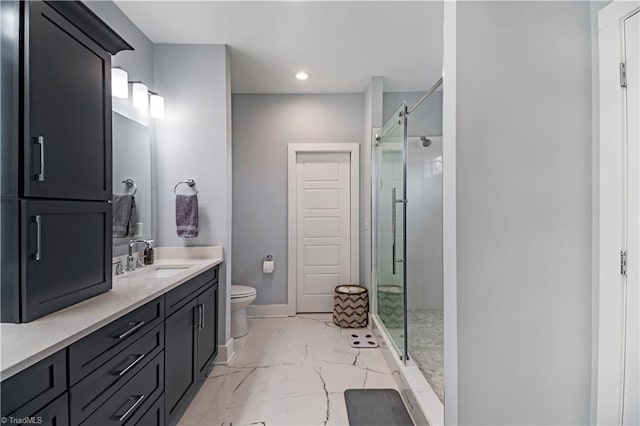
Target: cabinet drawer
pixel 65 254
pixel 99 347
pixel 35 387
pixel 154 415
pixel 181 295
pixel 133 399
pixel 93 390
pixel 54 414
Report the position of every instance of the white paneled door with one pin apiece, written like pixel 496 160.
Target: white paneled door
pixel 631 391
pixel 323 228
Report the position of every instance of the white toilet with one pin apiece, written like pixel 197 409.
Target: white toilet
pixel 241 297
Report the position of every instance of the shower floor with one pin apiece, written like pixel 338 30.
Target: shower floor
pixel 426 340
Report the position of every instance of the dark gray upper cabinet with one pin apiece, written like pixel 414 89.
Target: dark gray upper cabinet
pixel 56 145
pixel 67 119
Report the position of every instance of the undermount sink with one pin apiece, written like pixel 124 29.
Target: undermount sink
pixel 163 271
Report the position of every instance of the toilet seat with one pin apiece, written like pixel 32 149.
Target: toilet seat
pixel 240 291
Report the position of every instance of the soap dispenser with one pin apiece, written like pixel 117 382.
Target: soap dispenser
pixel 148 254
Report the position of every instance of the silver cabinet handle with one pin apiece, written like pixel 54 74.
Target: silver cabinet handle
pixel 136 325
pixel 38 255
pixel 201 316
pixel 136 401
pixel 122 371
pixel 40 141
pixel 393 230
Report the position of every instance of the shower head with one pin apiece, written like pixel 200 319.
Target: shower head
pixel 425 141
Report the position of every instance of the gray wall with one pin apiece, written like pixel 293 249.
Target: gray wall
pixel 524 212
pixel 194 141
pixel 263 125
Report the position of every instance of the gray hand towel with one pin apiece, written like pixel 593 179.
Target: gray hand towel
pixel 125 215
pixel 187 215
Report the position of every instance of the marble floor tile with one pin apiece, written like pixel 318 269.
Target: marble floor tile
pixel 288 371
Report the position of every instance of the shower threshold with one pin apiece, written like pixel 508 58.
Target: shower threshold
pixel 424 404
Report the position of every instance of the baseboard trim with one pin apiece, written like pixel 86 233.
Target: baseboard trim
pixel 225 353
pixel 267 311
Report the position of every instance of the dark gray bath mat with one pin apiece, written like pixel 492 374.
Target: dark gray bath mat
pixel 368 407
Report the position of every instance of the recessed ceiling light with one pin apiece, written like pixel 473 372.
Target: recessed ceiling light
pixel 302 75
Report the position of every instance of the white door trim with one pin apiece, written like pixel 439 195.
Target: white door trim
pixel 293 149
pixel 608 211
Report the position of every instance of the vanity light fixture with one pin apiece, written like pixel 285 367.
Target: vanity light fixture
pixel 156 105
pixel 140 95
pixel 119 83
pixel 302 75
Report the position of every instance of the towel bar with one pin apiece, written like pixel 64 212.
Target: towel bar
pixel 189 182
pixel 131 183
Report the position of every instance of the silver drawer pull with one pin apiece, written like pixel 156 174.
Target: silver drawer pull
pixel 38 255
pixel 136 359
pixel 136 401
pixel 40 175
pixel 136 325
pixel 201 316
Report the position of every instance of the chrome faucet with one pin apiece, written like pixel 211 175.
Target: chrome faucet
pixel 131 264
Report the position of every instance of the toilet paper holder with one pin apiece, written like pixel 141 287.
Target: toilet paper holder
pixel 268 265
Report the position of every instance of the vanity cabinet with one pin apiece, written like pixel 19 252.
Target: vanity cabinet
pixel 192 330
pixel 59 56
pixel 143 368
pixel 29 391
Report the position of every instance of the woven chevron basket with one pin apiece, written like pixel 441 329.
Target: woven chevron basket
pixel 350 306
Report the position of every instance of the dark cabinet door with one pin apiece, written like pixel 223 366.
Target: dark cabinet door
pixel 67 112
pixel 65 254
pixel 180 359
pixel 207 330
pixel 54 414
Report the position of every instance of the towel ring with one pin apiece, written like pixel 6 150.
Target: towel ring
pixel 131 183
pixel 189 182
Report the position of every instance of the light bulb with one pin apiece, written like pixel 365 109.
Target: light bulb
pixel 302 75
pixel 156 106
pixel 119 83
pixel 140 94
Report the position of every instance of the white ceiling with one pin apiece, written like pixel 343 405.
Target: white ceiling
pixel 340 43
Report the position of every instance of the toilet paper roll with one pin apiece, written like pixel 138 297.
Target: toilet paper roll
pixel 268 266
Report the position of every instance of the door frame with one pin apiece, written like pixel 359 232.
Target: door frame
pixel 353 149
pixel 608 216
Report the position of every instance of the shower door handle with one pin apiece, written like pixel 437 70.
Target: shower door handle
pixel 394 201
pixel 393 230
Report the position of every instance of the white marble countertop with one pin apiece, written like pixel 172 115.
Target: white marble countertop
pixel 23 345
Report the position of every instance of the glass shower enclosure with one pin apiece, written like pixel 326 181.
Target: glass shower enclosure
pixel 390 195
pixel 407 180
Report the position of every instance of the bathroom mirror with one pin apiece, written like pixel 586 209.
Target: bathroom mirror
pixel 132 175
